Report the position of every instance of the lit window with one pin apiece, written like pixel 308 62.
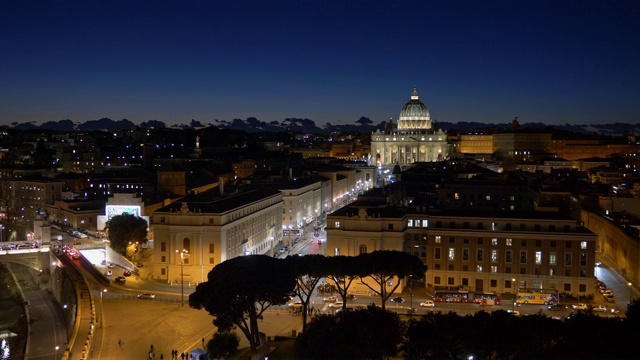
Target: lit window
pixel 494 269
pixel 494 255
pixel 538 257
pixel 424 223
pixel 494 241
pixel 478 268
pixel 552 258
pixel 438 239
pixel 583 245
pixel 337 224
pixel 488 197
pixel 452 254
pixel 418 223
pixel 509 242
pixel 456 196
pixel 410 223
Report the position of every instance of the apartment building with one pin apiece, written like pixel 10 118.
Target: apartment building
pixel 200 231
pixel 475 250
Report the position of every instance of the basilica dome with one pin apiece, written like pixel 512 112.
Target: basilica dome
pixel 414 115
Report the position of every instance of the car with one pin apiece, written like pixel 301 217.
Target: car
pixel 138 264
pixel 121 279
pixel 296 302
pixel 579 306
pixel 428 303
pixel 557 307
pixel 108 273
pixel 147 296
pixel 599 263
pixel 330 299
pixel 127 273
pixel 599 308
pixel 514 312
pixel 609 298
pixel 397 299
pixel 606 292
pixel 111 265
pixel 336 304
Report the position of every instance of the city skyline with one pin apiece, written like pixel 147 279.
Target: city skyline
pixel 327 61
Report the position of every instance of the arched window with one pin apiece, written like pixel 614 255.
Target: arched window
pixel 186 244
pixel 363 249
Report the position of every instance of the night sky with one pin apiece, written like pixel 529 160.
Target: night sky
pixel 554 62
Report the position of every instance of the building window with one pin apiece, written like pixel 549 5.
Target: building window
pixel 163 258
pixel 582 287
pixel 436 280
pixel 583 259
pixel 508 284
pixel 523 242
pixel 523 257
pixel 465 254
pixel 480 255
pixel 465 281
pixel 211 248
pixel 186 245
pixel 423 251
pixel 337 224
pixel 494 241
pixel 583 273
pixel 452 240
pixel 494 255
pixel 450 281
pixel 437 253
pixel 494 269
pixel 552 258
pixel 410 223
pixel 390 227
pixel 465 267
pixel 583 245
pixel 163 271
pixel 538 257
pixel 212 261
pixel 508 256
pixel 425 223
pixel 163 246
pixel 567 287
pixel 478 268
pixel 161 219
pixel 509 242
pixel 465 240
pixel 567 272
pixel 567 244
pixel 538 243
pixel 418 223
pixel 552 243
pixel 450 267
pixel 507 270
pixel 452 254
pixel 438 239
pixel 494 283
pixel 552 272
pixel 363 249
pixel 567 258
pixel 480 241
pixel 336 252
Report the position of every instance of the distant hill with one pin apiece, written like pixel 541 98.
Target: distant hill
pixel 364 125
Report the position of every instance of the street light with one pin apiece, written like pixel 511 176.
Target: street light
pixel 57 348
pixel 1 233
pixel 182 252
pixel 102 291
pixel 630 294
pixel 515 294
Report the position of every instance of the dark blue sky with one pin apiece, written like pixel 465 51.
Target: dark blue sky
pixel 555 62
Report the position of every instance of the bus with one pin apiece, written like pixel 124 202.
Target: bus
pixel 462 296
pixel 537 296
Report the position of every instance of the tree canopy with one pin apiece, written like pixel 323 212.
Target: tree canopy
pixel 126 229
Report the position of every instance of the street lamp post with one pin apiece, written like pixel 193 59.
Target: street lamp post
pixel 630 293
pixel 515 295
pixel 182 254
pixel 1 233
pixel 57 348
pixel 411 292
pixel 102 291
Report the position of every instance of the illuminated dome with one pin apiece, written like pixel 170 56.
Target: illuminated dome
pixel 414 115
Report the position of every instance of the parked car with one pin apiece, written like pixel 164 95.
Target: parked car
pixel 606 292
pixel 514 312
pixel 147 296
pixel 428 303
pixel 397 299
pixel 121 279
pixel 557 307
pixel 599 308
pixel 609 298
pixel 336 304
pixel 111 265
pixel 127 273
pixel 108 273
pixel 579 306
pixel 330 299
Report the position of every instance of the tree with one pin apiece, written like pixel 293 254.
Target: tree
pixel 239 290
pixel 383 266
pixel 125 230
pixel 309 270
pixel 223 345
pixel 364 121
pixel 344 270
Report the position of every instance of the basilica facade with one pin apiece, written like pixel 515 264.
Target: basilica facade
pixel 411 140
